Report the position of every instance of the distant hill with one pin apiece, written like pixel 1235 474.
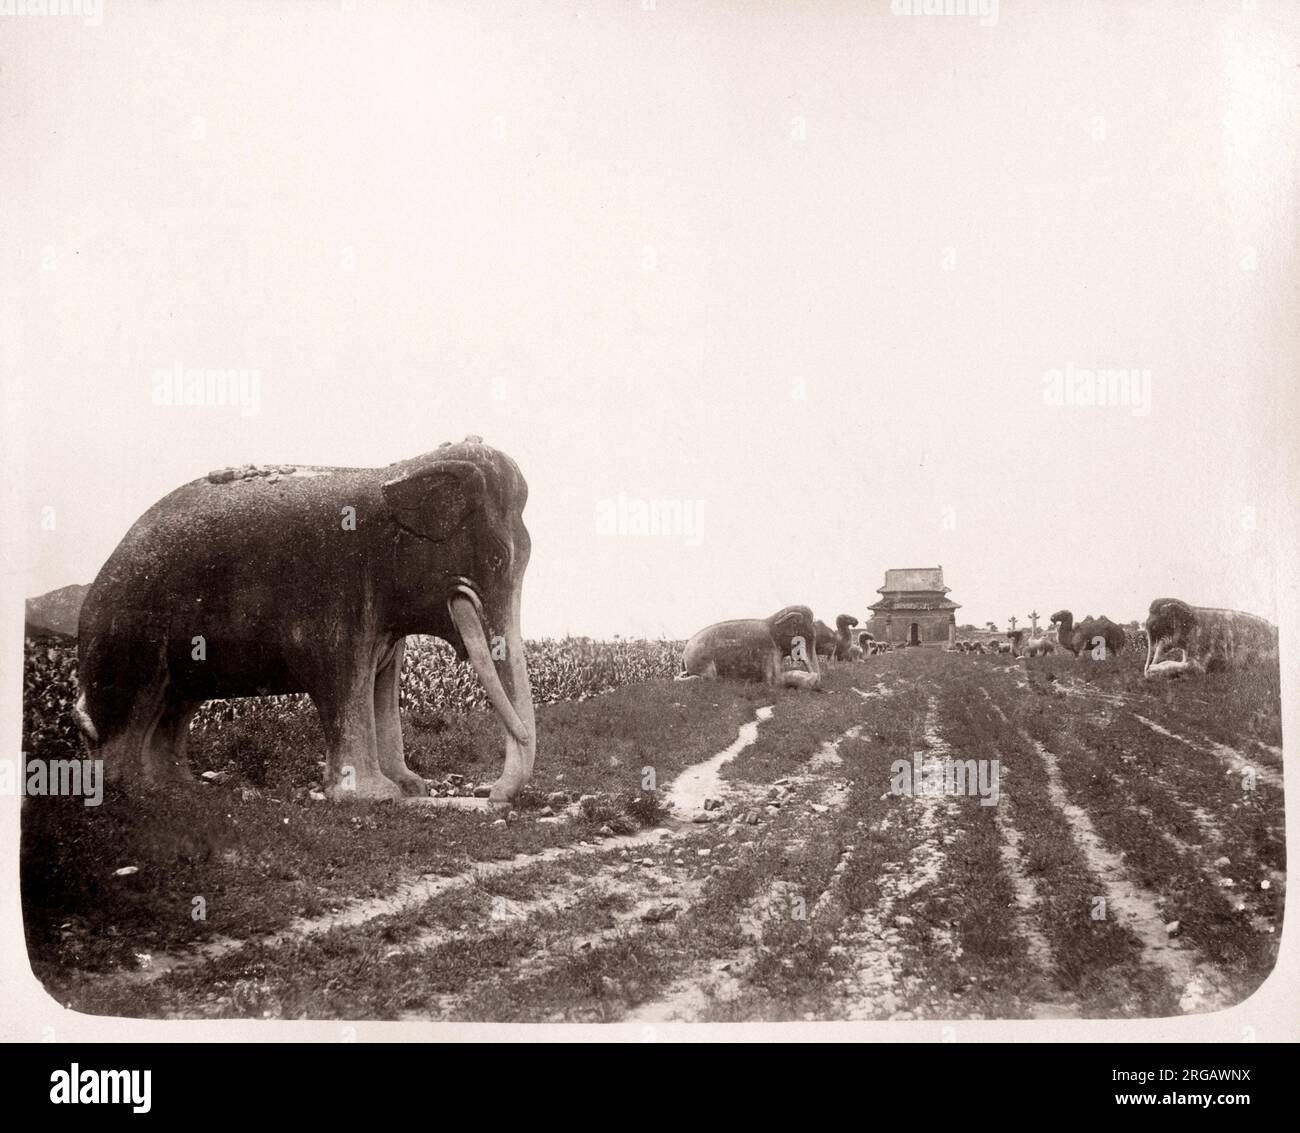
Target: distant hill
pixel 56 613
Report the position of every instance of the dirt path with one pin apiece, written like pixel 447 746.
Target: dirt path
pixel 1230 757
pixel 685 796
pixel 1198 986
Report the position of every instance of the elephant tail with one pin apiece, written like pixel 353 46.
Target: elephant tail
pixel 84 723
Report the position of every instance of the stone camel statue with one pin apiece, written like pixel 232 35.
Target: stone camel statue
pixel 287 579
pixel 843 640
pixel 751 649
pixel 1081 637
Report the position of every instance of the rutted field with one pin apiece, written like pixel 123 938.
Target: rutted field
pixel 687 854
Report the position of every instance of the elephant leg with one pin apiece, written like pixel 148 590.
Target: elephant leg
pixel 708 673
pixel 164 752
pixel 347 715
pixel 135 749
pixel 388 724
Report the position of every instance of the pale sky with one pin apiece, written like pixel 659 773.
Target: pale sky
pixel 806 263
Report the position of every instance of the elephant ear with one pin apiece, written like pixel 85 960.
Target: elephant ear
pixel 437 500
pixel 790 622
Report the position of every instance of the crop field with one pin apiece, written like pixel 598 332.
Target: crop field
pixel 699 851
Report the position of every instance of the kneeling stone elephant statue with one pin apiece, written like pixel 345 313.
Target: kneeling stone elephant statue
pixel 751 649
pixel 285 579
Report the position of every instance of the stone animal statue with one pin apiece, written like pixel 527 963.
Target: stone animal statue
pixel 1209 639
pixel 869 645
pixel 1039 646
pixel 843 640
pixel 1082 637
pixel 1022 645
pixel 289 579
pixel 826 641
pixel 751 649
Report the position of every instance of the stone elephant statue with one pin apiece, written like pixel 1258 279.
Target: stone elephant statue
pixel 287 579
pixel 751 649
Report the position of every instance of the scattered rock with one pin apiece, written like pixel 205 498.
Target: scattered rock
pixel 820 808
pixel 704 853
pixel 499 822
pixel 316 796
pixel 546 812
pixel 606 831
pixel 703 817
pixel 558 798
pixel 482 791
pixel 1219 863
pixel 126 871
pixel 751 818
pixel 1172 927
pixel 712 804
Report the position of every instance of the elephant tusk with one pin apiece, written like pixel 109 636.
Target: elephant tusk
pixel 465 610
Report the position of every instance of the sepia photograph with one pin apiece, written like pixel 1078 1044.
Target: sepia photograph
pixel 658 521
